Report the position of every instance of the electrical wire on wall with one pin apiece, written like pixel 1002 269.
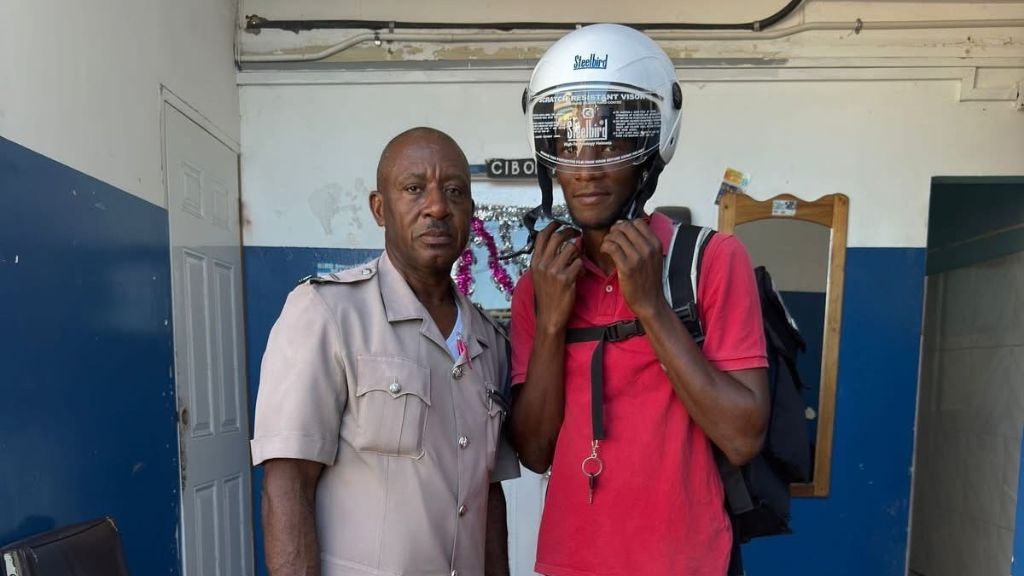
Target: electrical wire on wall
pixel 254 23
pixel 380 31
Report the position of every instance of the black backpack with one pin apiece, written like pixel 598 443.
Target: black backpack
pixel 757 493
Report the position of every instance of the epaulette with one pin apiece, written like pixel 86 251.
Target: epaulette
pixel 359 273
pixel 311 279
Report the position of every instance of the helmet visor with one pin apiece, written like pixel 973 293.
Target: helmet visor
pixel 588 127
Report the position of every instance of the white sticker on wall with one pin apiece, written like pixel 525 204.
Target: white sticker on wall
pixel 784 208
pixel 327 268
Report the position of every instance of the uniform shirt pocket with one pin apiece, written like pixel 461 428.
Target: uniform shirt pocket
pixel 391 403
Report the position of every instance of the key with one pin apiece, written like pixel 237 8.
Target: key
pixel 592 468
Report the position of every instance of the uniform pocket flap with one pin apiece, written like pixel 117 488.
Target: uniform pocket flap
pixel 394 376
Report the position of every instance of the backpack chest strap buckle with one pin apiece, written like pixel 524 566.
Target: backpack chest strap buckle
pixel 623 330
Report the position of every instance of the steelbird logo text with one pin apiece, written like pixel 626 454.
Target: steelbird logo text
pixel 589 62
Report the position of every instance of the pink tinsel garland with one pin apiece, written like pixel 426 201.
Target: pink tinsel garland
pixel 464 272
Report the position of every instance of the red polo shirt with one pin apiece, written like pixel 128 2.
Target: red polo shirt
pixel 658 506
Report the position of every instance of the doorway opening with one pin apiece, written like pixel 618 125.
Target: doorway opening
pixel 971 395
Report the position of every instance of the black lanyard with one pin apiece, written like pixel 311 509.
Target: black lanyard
pixel 615 332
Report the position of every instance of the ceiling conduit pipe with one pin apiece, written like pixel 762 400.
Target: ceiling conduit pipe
pixel 254 23
pixel 856 26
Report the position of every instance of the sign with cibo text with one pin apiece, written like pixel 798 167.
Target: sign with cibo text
pixel 511 168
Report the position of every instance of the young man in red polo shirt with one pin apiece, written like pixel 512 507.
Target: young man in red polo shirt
pixel 634 488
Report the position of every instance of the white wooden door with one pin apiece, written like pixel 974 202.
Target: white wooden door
pixel 213 424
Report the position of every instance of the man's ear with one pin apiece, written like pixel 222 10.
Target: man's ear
pixel 377 207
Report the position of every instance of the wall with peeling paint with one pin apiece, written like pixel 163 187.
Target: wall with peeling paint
pixel 583 11
pixel 847 41
pixel 86 376
pixel 872 115
pixel 86 355
pixel 310 151
pixel 495 10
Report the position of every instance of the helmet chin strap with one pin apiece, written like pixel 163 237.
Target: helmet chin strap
pixel 649 173
pixel 546 195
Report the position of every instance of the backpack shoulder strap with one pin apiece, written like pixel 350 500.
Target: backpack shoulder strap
pixel 682 277
pixel 682 271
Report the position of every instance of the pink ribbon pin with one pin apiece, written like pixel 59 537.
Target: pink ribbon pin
pixel 460 345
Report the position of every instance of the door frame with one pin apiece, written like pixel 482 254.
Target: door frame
pixel 169 98
pixel 193 114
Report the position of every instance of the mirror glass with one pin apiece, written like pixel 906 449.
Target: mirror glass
pixel 795 253
pixel 802 245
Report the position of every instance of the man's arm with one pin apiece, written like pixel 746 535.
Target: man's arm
pixel 730 407
pixel 538 405
pixel 289 517
pixel 496 546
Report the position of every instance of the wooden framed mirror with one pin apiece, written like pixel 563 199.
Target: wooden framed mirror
pixel 802 244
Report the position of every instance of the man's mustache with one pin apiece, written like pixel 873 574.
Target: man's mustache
pixel 438 226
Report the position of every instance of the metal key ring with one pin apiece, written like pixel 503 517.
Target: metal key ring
pixel 600 466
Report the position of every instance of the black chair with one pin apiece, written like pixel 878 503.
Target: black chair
pixel 91 548
pixel 680 214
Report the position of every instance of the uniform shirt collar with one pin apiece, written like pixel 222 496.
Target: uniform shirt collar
pixel 401 303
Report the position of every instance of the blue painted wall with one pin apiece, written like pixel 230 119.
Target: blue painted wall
pixel 861 529
pixel 270 274
pixel 86 380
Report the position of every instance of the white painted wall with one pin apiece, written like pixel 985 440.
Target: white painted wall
pixel 80 81
pixel 878 141
pixel 873 115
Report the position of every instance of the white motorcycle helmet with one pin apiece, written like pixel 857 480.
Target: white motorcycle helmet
pixel 603 97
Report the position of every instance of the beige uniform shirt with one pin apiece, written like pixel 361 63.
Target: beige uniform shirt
pixel 357 376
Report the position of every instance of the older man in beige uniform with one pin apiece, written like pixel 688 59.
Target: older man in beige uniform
pixel 379 413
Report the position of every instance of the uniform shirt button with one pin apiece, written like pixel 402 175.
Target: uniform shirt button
pixel 367 271
pixel 457 372
pixel 462 510
pixel 463 441
pixel 608 288
pixel 395 388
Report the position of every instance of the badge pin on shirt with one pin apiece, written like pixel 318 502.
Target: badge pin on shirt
pixel 463 350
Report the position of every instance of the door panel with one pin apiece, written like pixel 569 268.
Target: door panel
pixel 202 194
